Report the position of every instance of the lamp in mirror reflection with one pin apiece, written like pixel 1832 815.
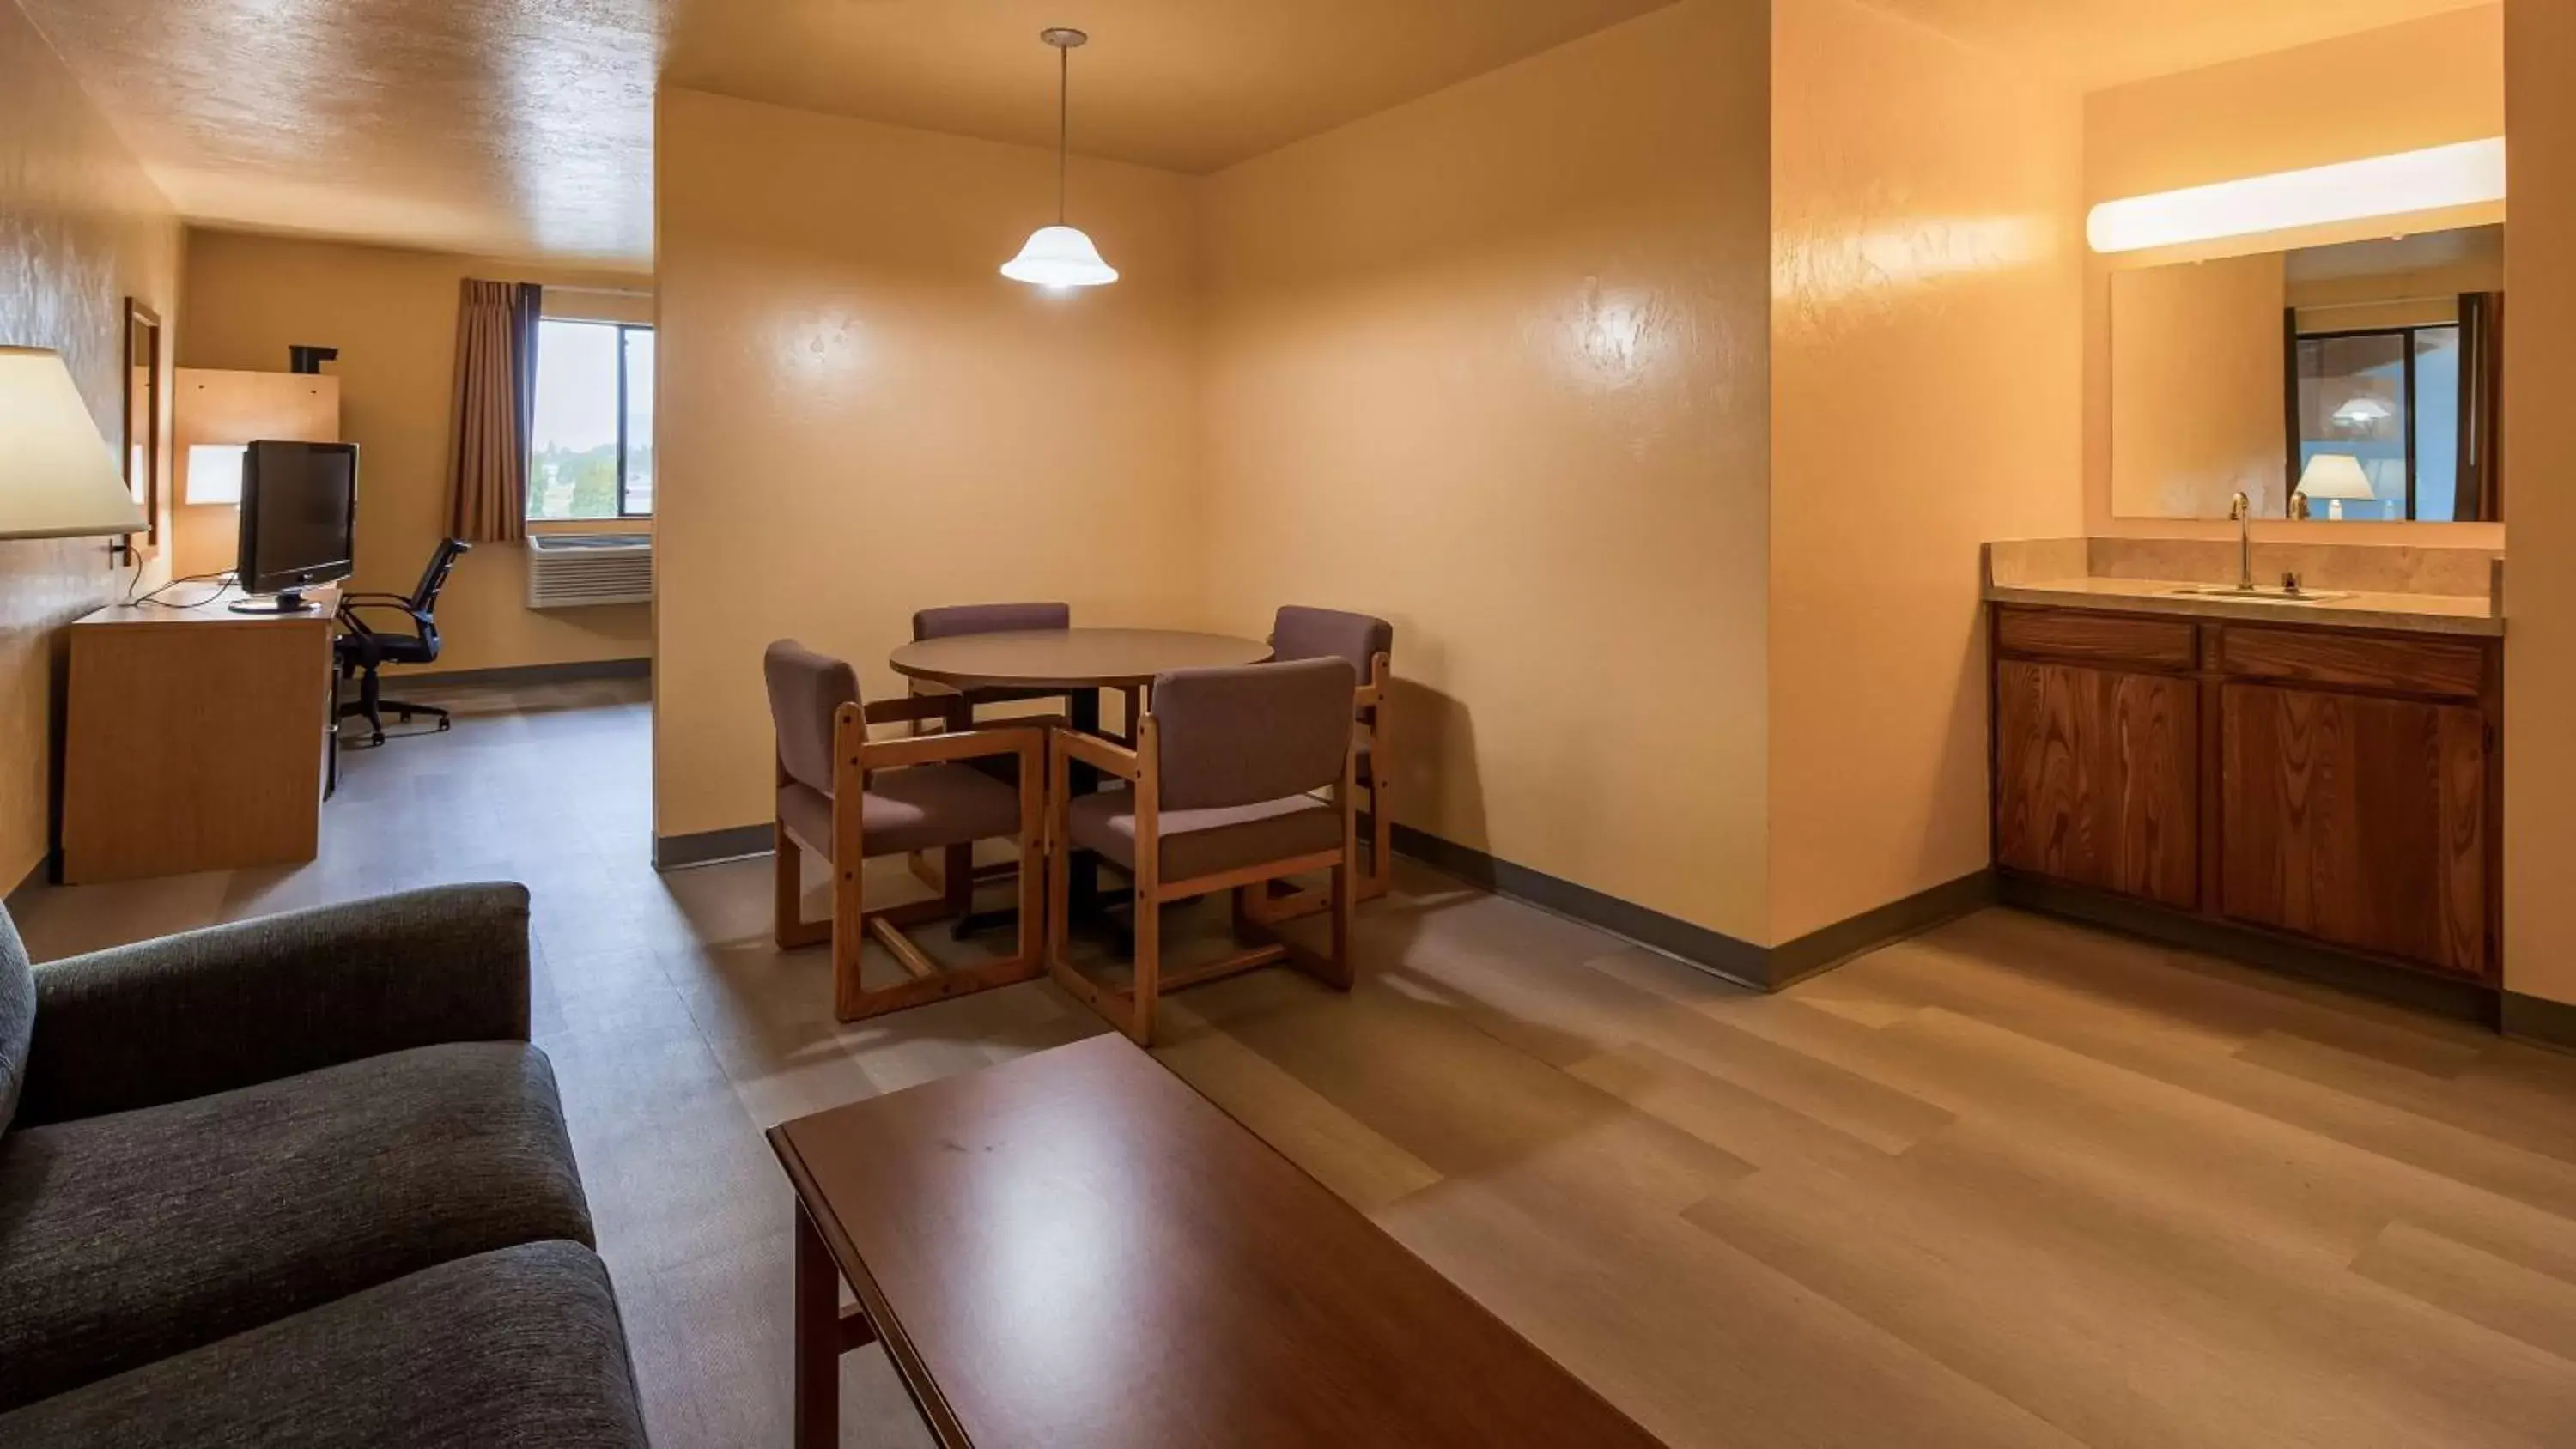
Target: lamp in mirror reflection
pixel 2362 412
pixel 2337 478
pixel 1060 255
pixel 2468 174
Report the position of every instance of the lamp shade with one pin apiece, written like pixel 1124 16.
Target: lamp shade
pixel 1059 256
pixel 58 477
pixel 2335 476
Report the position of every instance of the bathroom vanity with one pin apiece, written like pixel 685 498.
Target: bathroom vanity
pixel 2317 773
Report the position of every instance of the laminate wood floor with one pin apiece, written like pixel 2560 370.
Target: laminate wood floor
pixel 2013 1182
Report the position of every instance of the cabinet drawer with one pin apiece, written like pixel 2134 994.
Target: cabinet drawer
pixel 2352 661
pixel 2083 638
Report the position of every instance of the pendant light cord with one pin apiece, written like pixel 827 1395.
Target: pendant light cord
pixel 1063 122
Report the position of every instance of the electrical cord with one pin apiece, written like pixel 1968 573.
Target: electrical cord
pixel 221 579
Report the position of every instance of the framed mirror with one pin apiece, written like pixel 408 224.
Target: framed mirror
pixel 143 461
pixel 2358 382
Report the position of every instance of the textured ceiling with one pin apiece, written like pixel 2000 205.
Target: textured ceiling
pixel 523 128
pixel 1188 85
pixel 516 128
pixel 2097 43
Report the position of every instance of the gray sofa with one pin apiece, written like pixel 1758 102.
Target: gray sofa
pixel 297 1181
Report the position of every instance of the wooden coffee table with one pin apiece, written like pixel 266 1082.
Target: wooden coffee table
pixel 1075 1248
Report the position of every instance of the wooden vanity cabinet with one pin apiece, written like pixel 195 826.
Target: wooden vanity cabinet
pixel 2332 786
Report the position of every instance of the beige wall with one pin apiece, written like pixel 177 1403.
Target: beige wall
pixel 81 229
pixel 2196 368
pixel 1924 342
pixel 1491 364
pixel 2426 83
pixel 392 314
pixel 2540 479
pixel 862 418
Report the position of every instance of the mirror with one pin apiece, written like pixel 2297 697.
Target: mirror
pixel 2366 376
pixel 143 421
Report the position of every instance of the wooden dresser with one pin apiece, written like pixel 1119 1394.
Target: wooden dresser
pixel 2318 784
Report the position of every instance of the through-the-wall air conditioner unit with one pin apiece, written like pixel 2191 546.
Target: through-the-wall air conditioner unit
pixel 576 570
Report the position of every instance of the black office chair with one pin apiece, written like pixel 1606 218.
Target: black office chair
pixel 362 650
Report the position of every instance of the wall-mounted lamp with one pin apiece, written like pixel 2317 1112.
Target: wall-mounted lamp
pixel 58 477
pixel 2468 174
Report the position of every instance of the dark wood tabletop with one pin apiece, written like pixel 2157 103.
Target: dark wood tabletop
pixel 1075 1248
pixel 1068 658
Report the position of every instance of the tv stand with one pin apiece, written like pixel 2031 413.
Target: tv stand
pixel 290 601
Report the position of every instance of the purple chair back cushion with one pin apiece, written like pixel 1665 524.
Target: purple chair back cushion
pixel 805 690
pixel 1302 633
pixel 989 619
pixel 1251 733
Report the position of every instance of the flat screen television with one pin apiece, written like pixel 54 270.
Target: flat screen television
pixel 299 510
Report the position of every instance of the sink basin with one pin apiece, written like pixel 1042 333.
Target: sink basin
pixel 2262 594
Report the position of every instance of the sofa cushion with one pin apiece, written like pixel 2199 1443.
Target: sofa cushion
pixel 520 1346
pixel 133 1236
pixel 17 1016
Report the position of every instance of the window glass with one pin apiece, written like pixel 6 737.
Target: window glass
pixel 592 446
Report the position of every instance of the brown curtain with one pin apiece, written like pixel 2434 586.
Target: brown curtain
pixel 496 409
pixel 2481 406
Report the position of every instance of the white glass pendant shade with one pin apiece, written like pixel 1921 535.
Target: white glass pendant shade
pixel 1059 256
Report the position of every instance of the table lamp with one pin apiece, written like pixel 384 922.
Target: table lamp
pixel 58 477
pixel 2335 477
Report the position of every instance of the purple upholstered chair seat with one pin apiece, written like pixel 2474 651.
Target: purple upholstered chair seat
pixel 1209 841
pixel 919 807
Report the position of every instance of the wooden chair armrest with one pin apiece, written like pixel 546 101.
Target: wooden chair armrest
pixel 974 744
pixel 904 708
pixel 1101 754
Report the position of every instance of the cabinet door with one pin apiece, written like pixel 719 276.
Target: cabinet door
pixel 2096 778
pixel 2358 820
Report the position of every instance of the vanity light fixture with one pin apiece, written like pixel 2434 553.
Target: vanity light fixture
pixel 1060 255
pixel 2468 174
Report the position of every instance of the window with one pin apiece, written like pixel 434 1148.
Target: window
pixel 592 456
pixel 2390 398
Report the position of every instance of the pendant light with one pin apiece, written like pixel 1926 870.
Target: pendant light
pixel 1060 255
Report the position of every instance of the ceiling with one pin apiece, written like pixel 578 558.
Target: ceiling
pixel 1187 85
pixel 2098 43
pixel 523 128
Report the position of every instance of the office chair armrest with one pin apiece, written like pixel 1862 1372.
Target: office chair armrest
pixel 420 622
pixel 230 1006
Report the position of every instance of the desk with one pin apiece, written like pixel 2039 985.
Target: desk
pixel 1076 1249
pixel 195 739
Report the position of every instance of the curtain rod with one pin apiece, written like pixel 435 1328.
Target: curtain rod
pixel 2451 297
pixel 603 291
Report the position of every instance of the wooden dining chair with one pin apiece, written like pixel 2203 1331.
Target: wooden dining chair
pixel 847 799
pixel 1220 797
pixel 1367 644
pixel 956 875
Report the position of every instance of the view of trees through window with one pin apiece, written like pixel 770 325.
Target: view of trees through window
pixel 592 454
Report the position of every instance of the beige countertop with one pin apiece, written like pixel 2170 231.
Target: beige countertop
pixel 2420 613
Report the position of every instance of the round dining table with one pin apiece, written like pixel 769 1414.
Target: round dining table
pixel 1079 663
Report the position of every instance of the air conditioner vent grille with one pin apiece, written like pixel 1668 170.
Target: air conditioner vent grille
pixel 577 570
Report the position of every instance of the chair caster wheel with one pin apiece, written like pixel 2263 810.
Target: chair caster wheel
pixel 443 725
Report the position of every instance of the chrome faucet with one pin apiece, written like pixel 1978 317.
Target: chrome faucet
pixel 2240 511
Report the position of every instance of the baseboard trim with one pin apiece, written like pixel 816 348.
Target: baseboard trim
pixel 573 672
pixel 1763 968
pixel 2539 1019
pixel 706 847
pixel 2345 970
pixel 1738 961
pixel 1827 947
